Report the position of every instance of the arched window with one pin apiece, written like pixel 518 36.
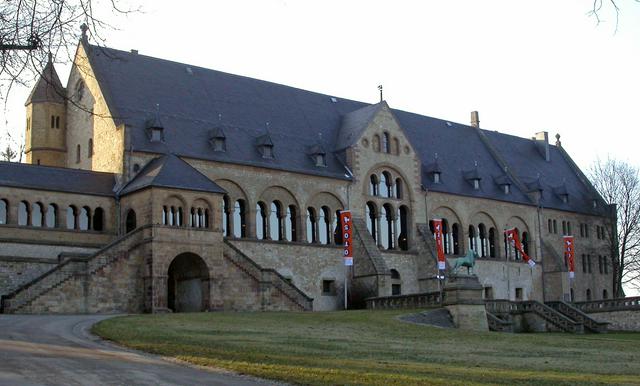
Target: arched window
pixel 337 229
pixel 130 222
pixel 403 235
pixel 90 148
pixel 386 143
pixel 71 217
pixel 193 218
pixel 396 146
pixel 36 214
pixel 78 154
pixel 290 223
pixel 225 216
pixel 446 237
pixel 98 219
pixel 239 219
pixel 482 239
pixel 206 218
pixel 372 218
pixel 564 228
pixel 525 242
pixel 311 225
pixel 275 222
pixel 511 253
pixel 23 213
pixel 555 226
pixel 376 142
pixel 84 219
pixel 51 219
pixel 455 239
pixel 588 295
pixel 492 243
pixel 374 185
pixel 605 294
pixel 472 239
pixel 399 188
pixel 550 226
pixel 261 221
pixel 172 216
pixel 386 185
pixel 165 215
pixel 324 229
pixel 179 217
pixel 387 227
pixel 4 209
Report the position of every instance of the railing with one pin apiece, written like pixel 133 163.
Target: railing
pixel 423 300
pixel 579 316
pixel 552 316
pixel 498 324
pixel 621 304
pixel 498 307
pixel 268 275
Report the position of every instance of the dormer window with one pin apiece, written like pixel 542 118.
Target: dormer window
pixel 507 188
pixel 565 198
pixel 476 184
pixel 265 146
pixel 217 140
pixel 155 128
pixel 595 204
pixel 319 155
pixel 267 151
pixel 473 177
pixel 156 134
pixel 436 177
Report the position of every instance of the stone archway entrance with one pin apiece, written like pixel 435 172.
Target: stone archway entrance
pixel 188 284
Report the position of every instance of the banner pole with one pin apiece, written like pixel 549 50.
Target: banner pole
pixel 346 269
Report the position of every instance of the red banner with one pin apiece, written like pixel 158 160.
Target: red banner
pixel 437 230
pixel 347 232
pixel 514 240
pixel 569 255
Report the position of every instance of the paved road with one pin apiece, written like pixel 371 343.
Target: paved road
pixel 59 350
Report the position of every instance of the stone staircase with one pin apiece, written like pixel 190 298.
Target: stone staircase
pixel 505 309
pixel 75 267
pixel 578 316
pixel 268 278
pixel 499 324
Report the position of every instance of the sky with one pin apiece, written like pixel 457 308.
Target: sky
pixel 526 66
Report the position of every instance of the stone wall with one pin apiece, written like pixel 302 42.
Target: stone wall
pixel 619 320
pixel 16 271
pixel 306 265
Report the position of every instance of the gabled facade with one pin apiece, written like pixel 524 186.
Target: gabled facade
pixel 224 191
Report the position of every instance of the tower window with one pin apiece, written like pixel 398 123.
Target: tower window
pixel 57 122
pixel 78 154
pixel 53 121
pixel 90 148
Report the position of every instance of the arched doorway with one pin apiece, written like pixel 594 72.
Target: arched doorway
pixel 188 284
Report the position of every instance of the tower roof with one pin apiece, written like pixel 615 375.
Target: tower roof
pixel 49 88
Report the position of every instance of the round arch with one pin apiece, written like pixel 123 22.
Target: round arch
pixel 188 284
pixel 378 168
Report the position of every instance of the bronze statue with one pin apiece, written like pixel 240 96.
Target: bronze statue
pixel 469 261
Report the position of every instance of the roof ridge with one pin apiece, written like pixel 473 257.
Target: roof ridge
pixel 24 164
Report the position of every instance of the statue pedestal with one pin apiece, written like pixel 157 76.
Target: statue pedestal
pixel 462 296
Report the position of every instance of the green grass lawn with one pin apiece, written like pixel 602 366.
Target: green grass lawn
pixel 374 348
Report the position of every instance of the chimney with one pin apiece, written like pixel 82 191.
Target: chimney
pixel 542 143
pixel 475 119
pixel 135 52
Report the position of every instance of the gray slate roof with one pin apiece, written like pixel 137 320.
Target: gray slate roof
pixel 29 176
pixel 195 101
pixel 169 171
pixel 49 88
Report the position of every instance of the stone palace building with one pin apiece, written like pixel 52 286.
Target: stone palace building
pixel 153 186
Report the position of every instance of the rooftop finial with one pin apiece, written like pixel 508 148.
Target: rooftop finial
pixel 380 89
pixel 84 28
pixel 219 116
pixel 475 163
pixel 50 56
pixel 268 125
pixel 436 155
pixel 558 143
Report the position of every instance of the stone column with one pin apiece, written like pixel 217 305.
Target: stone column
pixel 159 291
pixel 230 216
pixel 251 222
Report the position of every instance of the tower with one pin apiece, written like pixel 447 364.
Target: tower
pixel 46 120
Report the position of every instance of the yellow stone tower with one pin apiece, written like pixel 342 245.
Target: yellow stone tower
pixel 46 120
